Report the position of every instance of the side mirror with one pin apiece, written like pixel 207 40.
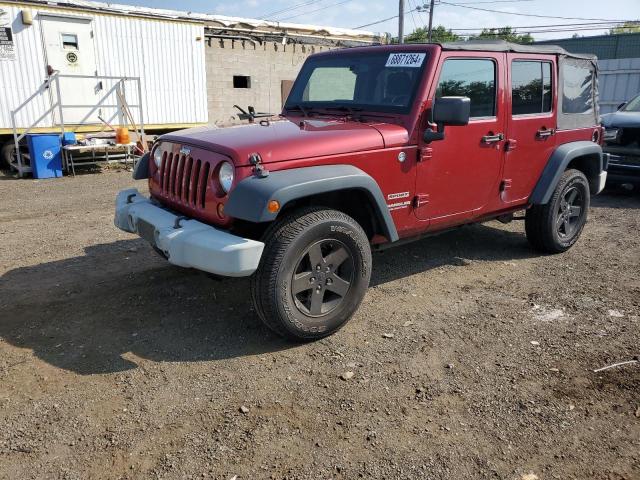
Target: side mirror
pixel 621 105
pixel 452 111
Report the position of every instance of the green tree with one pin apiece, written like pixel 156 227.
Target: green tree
pixel 627 27
pixel 504 33
pixel 439 34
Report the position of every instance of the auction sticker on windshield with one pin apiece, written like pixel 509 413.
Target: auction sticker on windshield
pixel 405 59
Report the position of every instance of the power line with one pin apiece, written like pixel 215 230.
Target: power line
pixel 523 14
pixel 294 7
pixel 316 10
pixel 602 24
pixel 497 1
pixel 413 18
pixel 383 20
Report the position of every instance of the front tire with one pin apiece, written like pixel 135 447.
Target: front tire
pixel 557 225
pixel 313 274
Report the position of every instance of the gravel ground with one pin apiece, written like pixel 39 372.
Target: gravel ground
pixel 471 356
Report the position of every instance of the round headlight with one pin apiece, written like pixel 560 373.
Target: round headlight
pixel 225 176
pixel 157 156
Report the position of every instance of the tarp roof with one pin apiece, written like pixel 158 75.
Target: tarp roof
pixel 504 46
pixel 205 18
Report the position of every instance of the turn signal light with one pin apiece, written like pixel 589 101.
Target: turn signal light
pixel 273 206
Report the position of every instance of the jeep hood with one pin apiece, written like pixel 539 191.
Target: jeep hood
pixel 621 120
pixel 288 140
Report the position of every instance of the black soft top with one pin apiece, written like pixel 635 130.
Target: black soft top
pixel 504 46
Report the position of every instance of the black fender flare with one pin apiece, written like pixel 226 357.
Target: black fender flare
pixel 141 170
pixel 248 200
pixel 557 164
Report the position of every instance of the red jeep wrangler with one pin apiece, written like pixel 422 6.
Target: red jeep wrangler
pixel 375 145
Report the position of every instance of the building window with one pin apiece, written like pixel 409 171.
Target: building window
pixel 530 87
pixel 70 40
pixel 241 81
pixel 473 78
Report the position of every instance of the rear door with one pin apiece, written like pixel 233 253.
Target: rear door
pixel 458 176
pixel 69 48
pixel 531 123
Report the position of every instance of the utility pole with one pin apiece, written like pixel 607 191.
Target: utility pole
pixel 401 22
pixel 431 18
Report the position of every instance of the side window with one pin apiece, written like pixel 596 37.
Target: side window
pixel 530 87
pixel 473 78
pixel 577 89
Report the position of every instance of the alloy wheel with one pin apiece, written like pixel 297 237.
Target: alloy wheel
pixel 570 213
pixel 322 278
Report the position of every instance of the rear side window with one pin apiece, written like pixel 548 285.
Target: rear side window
pixel 530 87
pixel 473 78
pixel 577 88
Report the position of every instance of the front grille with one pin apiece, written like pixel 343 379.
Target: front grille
pixel 184 179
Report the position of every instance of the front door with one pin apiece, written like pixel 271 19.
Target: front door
pixel 69 49
pixel 459 175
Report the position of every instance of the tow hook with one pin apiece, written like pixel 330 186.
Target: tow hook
pixel 176 224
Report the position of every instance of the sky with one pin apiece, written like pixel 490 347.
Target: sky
pixel 354 13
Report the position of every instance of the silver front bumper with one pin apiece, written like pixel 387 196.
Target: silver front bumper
pixel 184 241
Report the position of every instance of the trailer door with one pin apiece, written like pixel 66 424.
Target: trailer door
pixel 69 48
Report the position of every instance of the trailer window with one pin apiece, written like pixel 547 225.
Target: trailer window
pixel 530 87
pixel 473 78
pixel 70 41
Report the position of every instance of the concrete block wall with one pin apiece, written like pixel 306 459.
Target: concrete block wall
pixel 267 65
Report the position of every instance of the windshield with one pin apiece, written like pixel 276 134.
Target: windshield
pixel 633 105
pixel 376 81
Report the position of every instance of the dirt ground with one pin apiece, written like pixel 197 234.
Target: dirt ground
pixel 472 356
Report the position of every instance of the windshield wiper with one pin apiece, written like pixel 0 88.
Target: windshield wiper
pixel 344 108
pixel 298 107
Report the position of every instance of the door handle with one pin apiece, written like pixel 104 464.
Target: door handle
pixel 498 137
pixel 544 133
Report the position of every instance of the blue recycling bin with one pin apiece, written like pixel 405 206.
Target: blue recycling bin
pixel 46 155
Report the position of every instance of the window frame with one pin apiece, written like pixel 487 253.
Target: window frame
pixel 369 107
pixel 552 92
pixel 496 79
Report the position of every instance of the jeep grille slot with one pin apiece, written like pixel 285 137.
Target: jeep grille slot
pixel 204 182
pixel 186 181
pixel 194 183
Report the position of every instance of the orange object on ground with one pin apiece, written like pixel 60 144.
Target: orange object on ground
pixel 122 135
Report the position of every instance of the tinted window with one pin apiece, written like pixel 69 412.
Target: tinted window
pixel 530 87
pixel 471 78
pixel 577 89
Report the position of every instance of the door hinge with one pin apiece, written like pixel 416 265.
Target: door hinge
pixel 505 184
pixel 510 145
pixel 425 153
pixel 420 199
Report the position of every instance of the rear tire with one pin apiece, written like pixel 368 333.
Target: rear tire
pixel 7 155
pixel 557 225
pixel 313 274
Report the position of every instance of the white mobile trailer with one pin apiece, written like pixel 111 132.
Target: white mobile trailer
pixel 97 49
